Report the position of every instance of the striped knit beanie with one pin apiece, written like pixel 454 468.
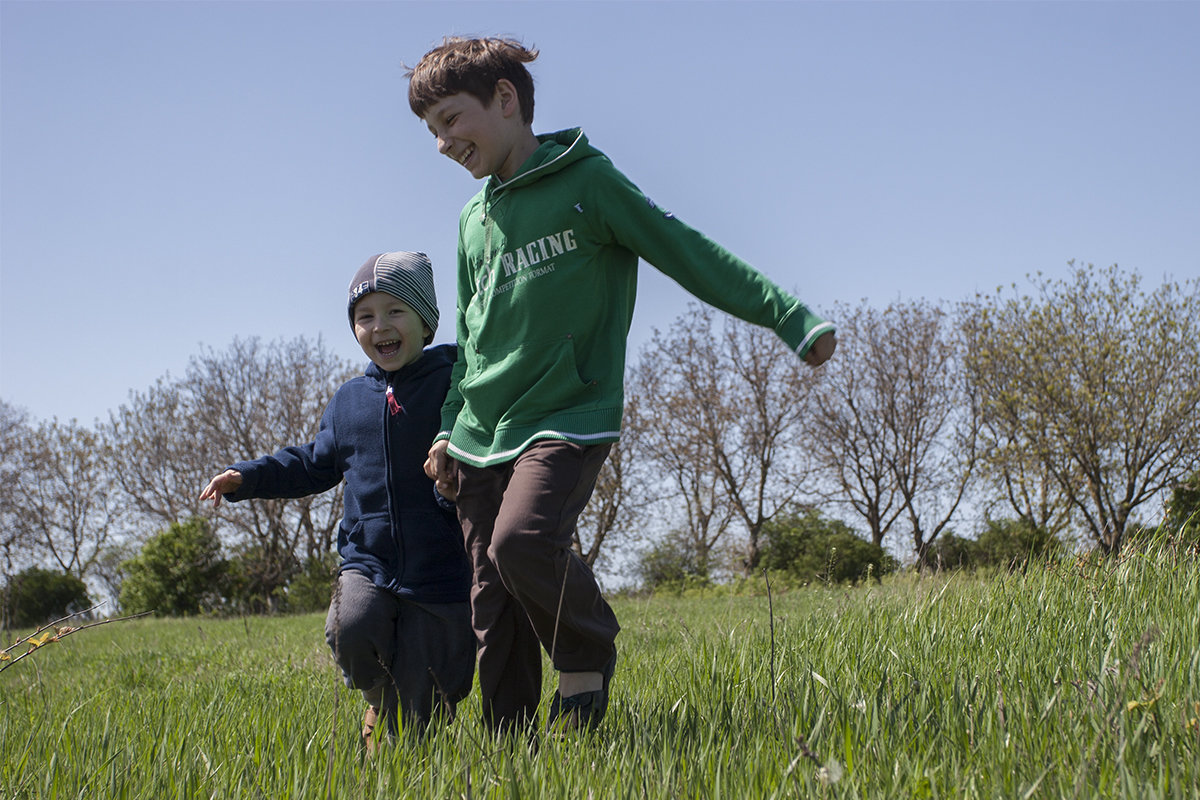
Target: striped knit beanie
pixel 408 276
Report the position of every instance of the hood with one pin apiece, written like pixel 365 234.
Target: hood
pixel 556 151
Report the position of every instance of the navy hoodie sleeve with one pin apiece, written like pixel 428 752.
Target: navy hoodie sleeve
pixel 296 471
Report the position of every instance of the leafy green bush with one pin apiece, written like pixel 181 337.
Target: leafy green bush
pixel 179 571
pixel 1004 544
pixel 671 565
pixel 951 551
pixel 311 588
pixel 259 579
pixel 1010 543
pixel 814 547
pixel 1182 522
pixel 36 596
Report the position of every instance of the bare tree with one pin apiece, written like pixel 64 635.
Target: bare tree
pixel 252 400
pixel 765 464
pixel 850 439
pixel 236 405
pixel 160 456
pixel 1098 383
pixel 932 417
pixel 731 401
pixel 1027 488
pixel 15 541
pixel 619 493
pixel 896 427
pixel 685 482
pixel 65 492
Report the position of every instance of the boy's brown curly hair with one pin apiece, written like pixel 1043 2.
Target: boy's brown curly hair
pixel 471 65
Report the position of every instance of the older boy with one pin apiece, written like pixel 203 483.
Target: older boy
pixel 547 273
pixel 399 624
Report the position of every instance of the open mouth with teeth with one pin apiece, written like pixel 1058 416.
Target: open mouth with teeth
pixel 388 348
pixel 466 154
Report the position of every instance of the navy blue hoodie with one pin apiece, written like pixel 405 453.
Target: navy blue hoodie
pixel 393 529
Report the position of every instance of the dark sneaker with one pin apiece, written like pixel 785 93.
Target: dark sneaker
pixel 583 710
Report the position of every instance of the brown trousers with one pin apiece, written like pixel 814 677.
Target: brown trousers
pixel 531 591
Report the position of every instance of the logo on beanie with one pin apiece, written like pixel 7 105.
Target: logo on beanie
pixel 359 291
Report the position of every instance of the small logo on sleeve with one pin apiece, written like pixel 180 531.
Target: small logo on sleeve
pixel 666 214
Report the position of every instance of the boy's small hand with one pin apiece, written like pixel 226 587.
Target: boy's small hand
pixel 440 467
pixel 821 350
pixel 227 481
pixel 447 489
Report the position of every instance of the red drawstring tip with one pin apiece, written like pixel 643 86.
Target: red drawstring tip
pixel 393 405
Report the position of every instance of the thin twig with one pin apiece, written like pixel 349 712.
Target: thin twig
pixel 771 615
pixel 558 612
pixel 337 693
pixel 59 634
pixel 18 642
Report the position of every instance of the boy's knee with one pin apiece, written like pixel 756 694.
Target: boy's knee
pixel 509 549
pixel 344 633
pixel 355 623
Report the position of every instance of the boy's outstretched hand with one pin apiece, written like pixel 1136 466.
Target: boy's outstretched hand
pixel 821 350
pixel 227 481
pixel 440 469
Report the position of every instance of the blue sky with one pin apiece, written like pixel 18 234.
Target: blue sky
pixel 175 174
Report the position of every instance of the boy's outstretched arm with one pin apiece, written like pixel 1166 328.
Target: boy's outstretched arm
pixel 228 481
pixel 704 269
pixel 821 350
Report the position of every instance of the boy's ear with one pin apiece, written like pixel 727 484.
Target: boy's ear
pixel 506 95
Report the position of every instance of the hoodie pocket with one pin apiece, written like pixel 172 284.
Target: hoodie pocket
pixel 371 537
pixel 525 384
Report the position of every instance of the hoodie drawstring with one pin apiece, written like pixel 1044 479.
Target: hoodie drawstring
pixel 393 404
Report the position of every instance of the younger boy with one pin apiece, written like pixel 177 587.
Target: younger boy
pixel 547 273
pixel 399 624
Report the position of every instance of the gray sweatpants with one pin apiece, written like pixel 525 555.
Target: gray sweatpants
pixel 419 657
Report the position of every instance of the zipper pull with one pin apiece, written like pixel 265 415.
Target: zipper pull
pixel 393 404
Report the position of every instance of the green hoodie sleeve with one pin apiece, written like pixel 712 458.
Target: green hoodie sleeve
pixel 702 267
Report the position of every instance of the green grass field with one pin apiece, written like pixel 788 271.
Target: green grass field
pixel 1075 680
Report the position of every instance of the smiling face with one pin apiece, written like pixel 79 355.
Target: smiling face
pixel 489 139
pixel 389 331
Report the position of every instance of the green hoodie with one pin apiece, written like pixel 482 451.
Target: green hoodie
pixel 547 276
